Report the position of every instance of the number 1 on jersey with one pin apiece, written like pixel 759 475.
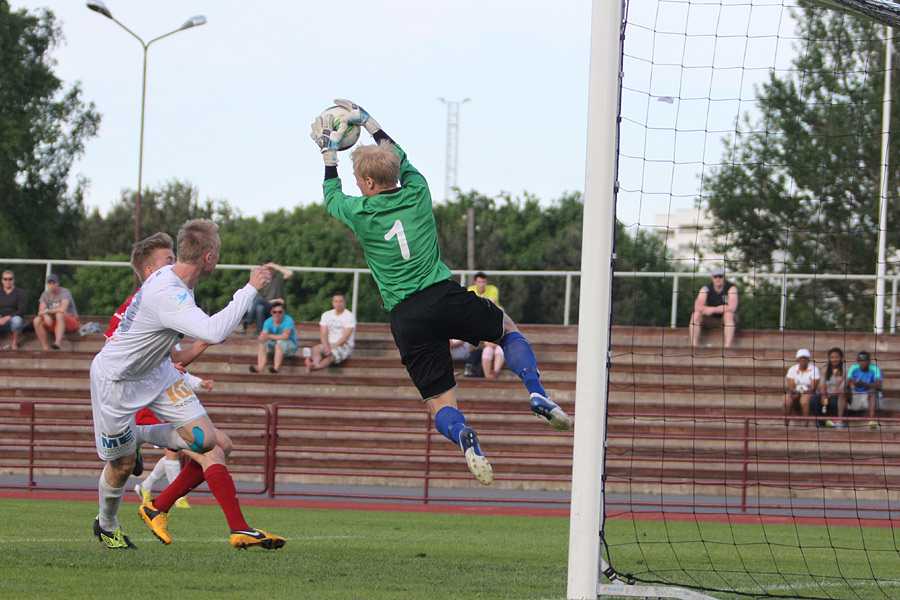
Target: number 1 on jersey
pixel 397 230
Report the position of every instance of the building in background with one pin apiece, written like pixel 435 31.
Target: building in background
pixel 688 235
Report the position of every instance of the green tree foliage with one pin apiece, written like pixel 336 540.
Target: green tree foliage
pixel 518 234
pixel 511 234
pixel 800 182
pixel 162 209
pixel 644 301
pixel 43 128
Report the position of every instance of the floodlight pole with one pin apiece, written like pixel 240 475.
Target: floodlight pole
pixel 881 266
pixel 100 8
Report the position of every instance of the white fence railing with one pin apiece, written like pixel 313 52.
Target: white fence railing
pixel 785 280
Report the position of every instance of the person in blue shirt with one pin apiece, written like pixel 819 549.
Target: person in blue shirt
pixel 864 382
pixel 278 339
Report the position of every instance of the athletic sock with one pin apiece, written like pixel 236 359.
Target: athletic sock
pixel 450 423
pixel 173 468
pixel 521 361
pixel 222 487
pixel 162 435
pixel 155 475
pixel 110 499
pixel 190 477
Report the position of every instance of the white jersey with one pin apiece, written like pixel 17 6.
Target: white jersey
pixel 337 324
pixel 162 312
pixel 803 379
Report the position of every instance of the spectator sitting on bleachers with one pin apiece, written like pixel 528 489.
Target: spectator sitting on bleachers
pixel 261 308
pixel 802 380
pixel 492 360
pixel 481 288
pixel 833 387
pixel 278 339
pixel 864 382
pixel 13 303
pixel 459 349
pixel 56 314
pixel 716 306
pixel 336 329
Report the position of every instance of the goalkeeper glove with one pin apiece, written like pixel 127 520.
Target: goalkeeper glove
pixel 326 137
pixel 358 115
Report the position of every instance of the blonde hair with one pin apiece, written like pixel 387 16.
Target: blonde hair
pixel 142 252
pixel 195 238
pixel 380 161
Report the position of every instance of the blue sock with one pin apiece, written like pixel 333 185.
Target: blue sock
pixel 450 422
pixel 520 360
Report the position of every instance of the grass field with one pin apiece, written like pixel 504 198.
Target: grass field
pixel 47 551
pixel 791 561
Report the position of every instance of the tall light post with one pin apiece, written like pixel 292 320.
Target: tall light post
pixel 450 173
pixel 98 7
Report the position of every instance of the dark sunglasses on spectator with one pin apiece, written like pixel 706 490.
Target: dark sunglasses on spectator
pixel 8 278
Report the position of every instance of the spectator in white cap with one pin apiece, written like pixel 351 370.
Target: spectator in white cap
pixel 801 382
pixel 716 306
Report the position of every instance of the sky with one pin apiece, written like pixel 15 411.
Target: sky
pixel 229 104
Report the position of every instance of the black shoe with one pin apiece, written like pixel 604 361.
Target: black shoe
pixel 253 369
pixel 115 540
pixel 272 370
pixel 138 463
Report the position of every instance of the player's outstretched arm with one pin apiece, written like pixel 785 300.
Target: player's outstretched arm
pixel 190 354
pixel 181 314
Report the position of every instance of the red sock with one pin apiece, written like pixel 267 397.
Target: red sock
pixel 190 477
pixel 222 486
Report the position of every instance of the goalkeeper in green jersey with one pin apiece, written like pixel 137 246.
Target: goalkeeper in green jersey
pixel 394 222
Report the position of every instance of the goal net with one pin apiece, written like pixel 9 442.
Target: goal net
pixel 752 139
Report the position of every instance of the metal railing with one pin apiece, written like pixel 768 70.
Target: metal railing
pixel 41 436
pixel 784 279
pixel 49 436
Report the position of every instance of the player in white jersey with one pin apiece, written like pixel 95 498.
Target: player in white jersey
pixel 134 371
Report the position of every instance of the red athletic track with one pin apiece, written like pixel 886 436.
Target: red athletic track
pixel 506 511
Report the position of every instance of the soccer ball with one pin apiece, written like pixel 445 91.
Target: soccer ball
pixel 333 116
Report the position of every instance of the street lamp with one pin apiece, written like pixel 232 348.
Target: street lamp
pixel 98 7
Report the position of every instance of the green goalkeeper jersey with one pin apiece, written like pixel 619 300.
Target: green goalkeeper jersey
pixel 397 231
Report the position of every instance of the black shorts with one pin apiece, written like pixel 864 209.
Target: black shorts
pixel 424 323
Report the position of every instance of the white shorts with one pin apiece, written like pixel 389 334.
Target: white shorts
pixel 860 401
pixel 341 353
pixel 115 403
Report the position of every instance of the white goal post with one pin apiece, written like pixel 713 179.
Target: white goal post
pixel 585 564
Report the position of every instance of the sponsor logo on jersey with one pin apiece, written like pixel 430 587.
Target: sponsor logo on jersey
pixel 181 394
pixel 179 299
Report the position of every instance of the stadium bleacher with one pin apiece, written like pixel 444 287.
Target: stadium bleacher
pixel 362 423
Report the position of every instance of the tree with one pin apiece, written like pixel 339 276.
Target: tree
pixel 163 208
pixel 801 181
pixel 42 130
